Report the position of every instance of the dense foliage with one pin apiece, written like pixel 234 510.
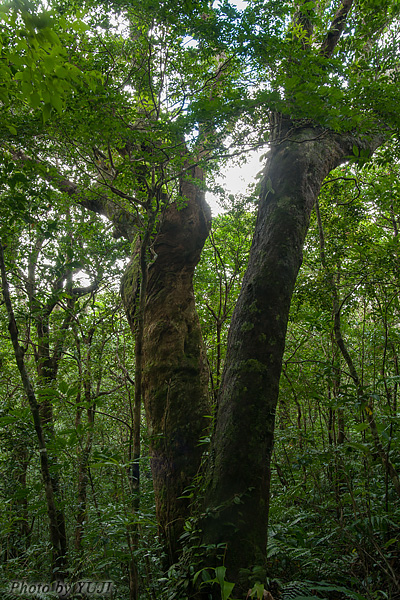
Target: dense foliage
pixel 111 116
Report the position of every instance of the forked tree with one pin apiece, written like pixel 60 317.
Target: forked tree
pixel 319 83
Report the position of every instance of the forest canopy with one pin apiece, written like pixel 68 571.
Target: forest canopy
pixel 197 408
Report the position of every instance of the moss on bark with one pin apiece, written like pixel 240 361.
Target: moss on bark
pixel 239 469
pixel 175 374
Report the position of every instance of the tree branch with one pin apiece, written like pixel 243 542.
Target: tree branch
pixel 124 221
pixel 336 29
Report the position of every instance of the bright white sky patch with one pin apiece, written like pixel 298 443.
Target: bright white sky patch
pixel 235 179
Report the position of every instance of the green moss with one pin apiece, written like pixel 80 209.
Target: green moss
pixel 253 308
pixel 253 366
pixel 129 281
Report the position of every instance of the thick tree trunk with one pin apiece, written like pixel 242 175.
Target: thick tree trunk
pixel 175 375
pixel 239 470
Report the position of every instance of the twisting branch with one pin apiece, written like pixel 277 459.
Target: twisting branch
pixel 336 29
pixel 345 179
pixel 124 221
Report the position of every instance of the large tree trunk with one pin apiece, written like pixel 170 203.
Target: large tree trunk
pixel 175 375
pixel 239 470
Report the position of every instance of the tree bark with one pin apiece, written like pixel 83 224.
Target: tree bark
pixel 237 497
pixel 175 374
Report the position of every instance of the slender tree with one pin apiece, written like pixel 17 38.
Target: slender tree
pixel 319 82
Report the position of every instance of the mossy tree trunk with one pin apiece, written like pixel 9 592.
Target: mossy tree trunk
pixel 175 372
pixel 175 375
pixel 239 470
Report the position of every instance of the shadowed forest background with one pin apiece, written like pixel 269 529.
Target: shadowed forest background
pixel 195 407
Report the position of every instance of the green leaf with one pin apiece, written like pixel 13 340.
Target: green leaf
pixel 359 446
pixel 361 427
pixel 34 100
pixel 57 103
pixel 46 112
pixel 258 589
pixel 226 590
pixel 63 385
pixel 226 586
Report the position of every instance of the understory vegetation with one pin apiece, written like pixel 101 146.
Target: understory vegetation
pixel 198 407
pixel 334 516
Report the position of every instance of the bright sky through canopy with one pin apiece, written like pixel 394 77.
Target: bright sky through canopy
pixel 235 179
